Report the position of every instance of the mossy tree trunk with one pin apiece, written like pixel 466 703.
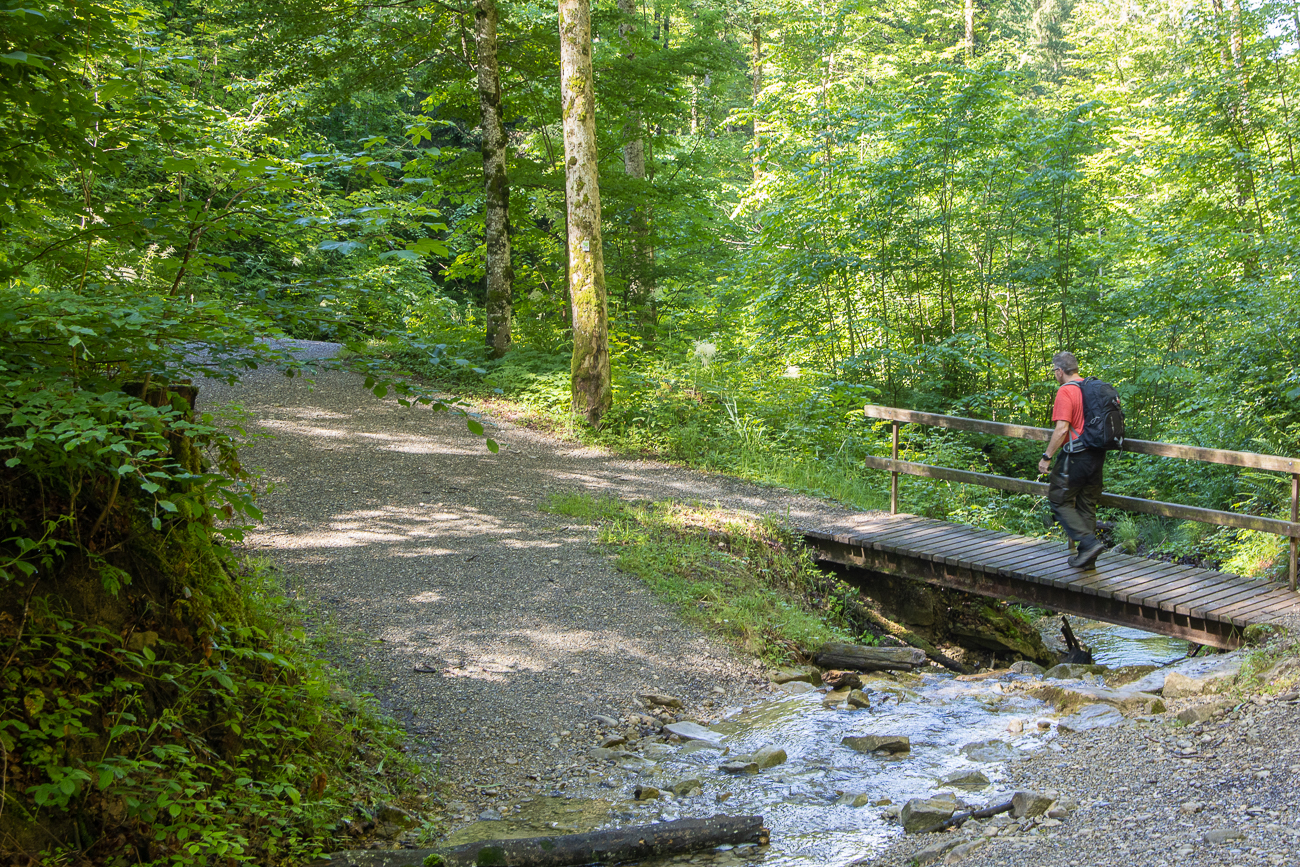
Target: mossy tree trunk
pixel 591 390
pixel 496 208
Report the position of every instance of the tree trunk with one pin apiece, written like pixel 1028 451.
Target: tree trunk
pixel 969 42
pixel 641 279
pixel 592 394
pixel 756 43
pixel 835 654
pixel 496 208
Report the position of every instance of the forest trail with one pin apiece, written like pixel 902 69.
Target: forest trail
pixel 485 625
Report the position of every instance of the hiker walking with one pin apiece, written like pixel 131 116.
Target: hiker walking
pixel 1074 485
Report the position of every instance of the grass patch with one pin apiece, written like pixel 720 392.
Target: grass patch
pixel 745 579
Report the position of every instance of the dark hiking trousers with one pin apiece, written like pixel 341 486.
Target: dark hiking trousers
pixel 1073 489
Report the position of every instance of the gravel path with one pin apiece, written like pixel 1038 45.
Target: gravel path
pixel 488 627
pixel 495 634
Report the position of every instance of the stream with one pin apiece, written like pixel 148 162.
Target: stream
pixel 826 803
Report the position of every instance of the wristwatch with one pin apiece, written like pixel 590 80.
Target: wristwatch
pixel 1046 456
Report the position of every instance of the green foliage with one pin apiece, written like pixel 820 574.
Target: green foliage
pixel 200 733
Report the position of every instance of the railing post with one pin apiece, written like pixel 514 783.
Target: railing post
pixel 893 495
pixel 1295 515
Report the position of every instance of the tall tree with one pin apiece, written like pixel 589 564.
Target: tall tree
pixel 641 279
pixel 591 389
pixel 496 207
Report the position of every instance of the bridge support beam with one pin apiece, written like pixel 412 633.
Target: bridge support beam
pixel 863 560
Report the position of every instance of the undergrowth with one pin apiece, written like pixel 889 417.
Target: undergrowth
pixel 743 578
pixel 197 734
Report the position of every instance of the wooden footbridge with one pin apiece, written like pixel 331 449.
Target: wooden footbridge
pixel 1200 605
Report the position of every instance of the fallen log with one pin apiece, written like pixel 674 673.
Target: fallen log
pixel 836 654
pixel 596 847
pixel 960 818
pixel 907 635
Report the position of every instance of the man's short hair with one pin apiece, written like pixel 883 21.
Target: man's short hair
pixel 1066 362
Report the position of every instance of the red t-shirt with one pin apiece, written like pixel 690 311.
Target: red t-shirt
pixel 1068 406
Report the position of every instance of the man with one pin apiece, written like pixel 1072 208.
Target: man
pixel 1075 481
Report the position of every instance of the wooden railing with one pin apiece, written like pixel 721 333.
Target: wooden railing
pixel 1251 460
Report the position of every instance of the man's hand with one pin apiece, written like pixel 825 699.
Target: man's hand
pixel 1044 466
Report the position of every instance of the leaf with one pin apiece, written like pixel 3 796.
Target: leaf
pixel 343 247
pixel 167 506
pixel 492 446
pixel 409 255
pixel 474 427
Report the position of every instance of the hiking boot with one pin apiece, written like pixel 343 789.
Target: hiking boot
pixel 1087 556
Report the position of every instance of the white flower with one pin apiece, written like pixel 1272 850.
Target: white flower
pixel 792 372
pixel 704 351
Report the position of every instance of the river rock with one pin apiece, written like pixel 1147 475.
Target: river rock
pixel 684 788
pixel 799 674
pixel 993 750
pixel 1089 717
pixel 1204 710
pixel 842 679
pixel 768 757
pixel 1024 804
pixel 1224 835
pixel 970 780
pixel 884 743
pixel 1127 701
pixel 959 853
pixel 921 813
pixel 854 799
pixel 739 766
pixel 1024 666
pixel 608 754
pixel 858 699
pixel 1072 671
pixel 933 852
pixel 697 746
pixel 836 697
pixel 607 721
pixel 655 699
pixel 646 793
pixel 690 731
pixel 1215 680
pixel 613 741
pixel 797 687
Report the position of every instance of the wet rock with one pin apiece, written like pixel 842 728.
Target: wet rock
pixel 990 751
pixel 852 799
pixel 1072 671
pixel 690 731
pixel 768 757
pixel 970 780
pixel 1219 836
pixel 613 741
pixel 686 788
pixel 635 763
pixel 872 743
pixel 606 754
pixel 838 680
pixel 836 698
pixel 799 674
pixel 739 766
pixel 858 699
pixel 1127 701
pixel 698 746
pixel 797 687
pixel 1127 675
pixel 1024 666
pixel 655 699
pixel 919 814
pixel 646 793
pixel 1029 804
pixel 490 816
pixel 1093 716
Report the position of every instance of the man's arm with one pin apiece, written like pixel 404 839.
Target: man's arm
pixel 1059 436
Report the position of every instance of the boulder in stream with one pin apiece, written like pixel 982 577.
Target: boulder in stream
pixel 919 814
pixel 882 743
pixel 970 779
pixel 858 699
pixel 1073 671
pixel 690 731
pixel 798 674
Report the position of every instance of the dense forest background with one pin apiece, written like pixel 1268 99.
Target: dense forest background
pixel 806 206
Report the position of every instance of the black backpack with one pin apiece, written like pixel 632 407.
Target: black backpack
pixel 1103 417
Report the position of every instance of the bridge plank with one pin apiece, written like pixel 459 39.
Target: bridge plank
pixel 907 540
pixel 1243 608
pixel 1150 579
pixel 1221 605
pixel 1203 600
pixel 1193 581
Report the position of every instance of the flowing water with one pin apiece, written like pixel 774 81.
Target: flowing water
pixel 824 804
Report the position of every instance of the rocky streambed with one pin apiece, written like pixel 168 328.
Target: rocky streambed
pixel 1129 765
